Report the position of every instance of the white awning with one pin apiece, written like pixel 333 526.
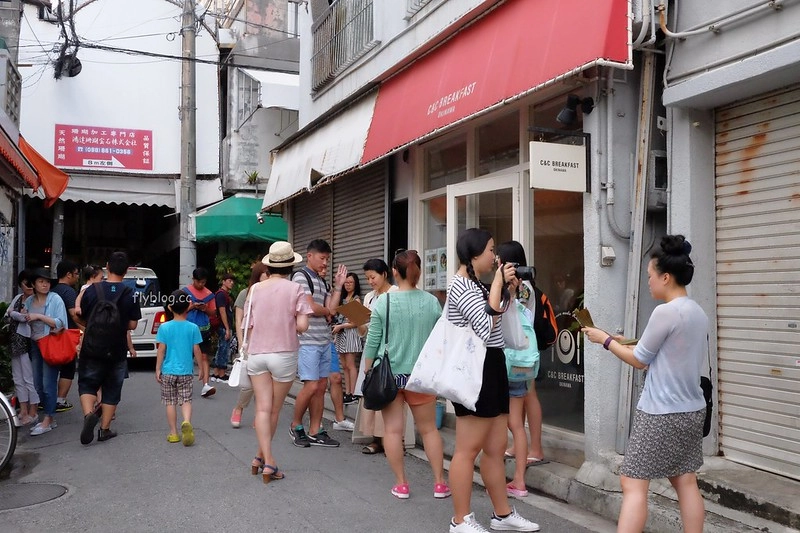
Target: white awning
pixel 332 149
pixel 135 190
pixel 278 89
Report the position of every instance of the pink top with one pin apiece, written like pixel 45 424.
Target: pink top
pixel 276 303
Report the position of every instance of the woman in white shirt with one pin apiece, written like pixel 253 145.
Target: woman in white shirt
pixel 666 438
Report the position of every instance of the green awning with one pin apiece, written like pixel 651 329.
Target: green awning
pixel 237 218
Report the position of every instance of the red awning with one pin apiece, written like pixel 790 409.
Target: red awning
pixel 54 181
pixel 518 47
pixel 13 155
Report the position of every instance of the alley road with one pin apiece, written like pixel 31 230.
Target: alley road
pixel 140 482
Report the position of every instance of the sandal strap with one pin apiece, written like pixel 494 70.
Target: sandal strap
pixel 275 474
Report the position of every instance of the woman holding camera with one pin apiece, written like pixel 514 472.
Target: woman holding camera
pixel 667 435
pixel 469 303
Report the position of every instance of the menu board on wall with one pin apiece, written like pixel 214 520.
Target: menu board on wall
pixel 441 267
pixel 431 269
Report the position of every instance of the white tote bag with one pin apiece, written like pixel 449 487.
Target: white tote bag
pixel 513 334
pixel 239 376
pixel 450 363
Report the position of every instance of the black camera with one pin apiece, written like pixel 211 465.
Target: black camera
pixel 525 273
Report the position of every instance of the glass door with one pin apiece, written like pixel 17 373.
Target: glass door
pixel 489 203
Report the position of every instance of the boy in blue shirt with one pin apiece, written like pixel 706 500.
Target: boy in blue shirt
pixel 178 340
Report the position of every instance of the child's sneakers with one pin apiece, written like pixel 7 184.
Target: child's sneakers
pixel 207 391
pixel 173 438
pixel 187 433
pixel 441 490
pixel 400 491
pixel 236 418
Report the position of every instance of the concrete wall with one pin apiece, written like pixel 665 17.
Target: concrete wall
pixel 746 57
pixel 117 90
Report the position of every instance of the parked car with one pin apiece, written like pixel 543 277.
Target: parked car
pixel 147 292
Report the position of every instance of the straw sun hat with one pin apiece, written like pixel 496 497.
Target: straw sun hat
pixel 281 254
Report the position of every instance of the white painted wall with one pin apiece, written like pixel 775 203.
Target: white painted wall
pixel 398 39
pixel 117 90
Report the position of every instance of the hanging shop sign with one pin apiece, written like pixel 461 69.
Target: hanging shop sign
pixel 103 147
pixel 559 167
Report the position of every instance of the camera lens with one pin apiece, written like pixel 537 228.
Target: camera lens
pixel 527 273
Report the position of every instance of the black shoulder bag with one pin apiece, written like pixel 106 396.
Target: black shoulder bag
pixel 708 389
pixel 380 388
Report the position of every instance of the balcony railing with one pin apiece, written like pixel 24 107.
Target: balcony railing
pixel 10 87
pixel 412 6
pixel 341 36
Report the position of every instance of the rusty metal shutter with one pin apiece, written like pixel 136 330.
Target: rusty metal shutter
pixel 758 280
pixel 359 222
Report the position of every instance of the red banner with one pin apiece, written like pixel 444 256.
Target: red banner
pixel 103 147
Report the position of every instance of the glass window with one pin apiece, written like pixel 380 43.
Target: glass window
pixel 446 163
pixel 498 144
pixel 434 252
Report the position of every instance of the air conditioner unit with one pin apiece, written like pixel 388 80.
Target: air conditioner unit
pixel 657 181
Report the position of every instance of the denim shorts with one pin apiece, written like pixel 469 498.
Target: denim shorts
pixel 517 389
pixel 108 375
pixel 313 361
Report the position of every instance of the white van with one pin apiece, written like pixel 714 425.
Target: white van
pixel 147 292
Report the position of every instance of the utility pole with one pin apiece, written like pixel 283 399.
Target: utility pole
pixel 188 202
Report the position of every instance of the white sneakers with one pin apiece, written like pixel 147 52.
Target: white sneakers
pixel 207 391
pixel 469 525
pixel 39 429
pixel 512 522
pixel 344 425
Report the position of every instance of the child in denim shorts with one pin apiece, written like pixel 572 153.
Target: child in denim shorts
pixel 178 342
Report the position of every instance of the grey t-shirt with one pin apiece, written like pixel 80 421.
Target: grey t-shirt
pixel 675 346
pixel 37 326
pixel 319 331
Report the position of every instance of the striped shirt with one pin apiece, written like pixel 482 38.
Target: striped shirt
pixel 466 305
pixel 319 331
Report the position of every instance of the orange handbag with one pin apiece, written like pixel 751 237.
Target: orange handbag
pixel 60 348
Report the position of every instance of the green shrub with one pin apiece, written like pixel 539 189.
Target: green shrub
pixel 237 264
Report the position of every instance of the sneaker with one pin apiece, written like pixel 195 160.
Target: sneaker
pixel 349 398
pixel 469 525
pixel 187 433
pixel 212 379
pixel 173 438
pixel 89 423
pixel 322 439
pixel 344 425
pixel 400 491
pixel 222 379
pixel 441 490
pixel 105 434
pixel 236 418
pixel 39 429
pixel 514 492
pixel 513 522
pixel 61 407
pixel 299 437
pixel 207 391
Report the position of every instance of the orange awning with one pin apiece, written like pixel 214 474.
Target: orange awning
pixel 53 180
pixel 14 156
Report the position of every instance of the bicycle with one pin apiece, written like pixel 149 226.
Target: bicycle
pixel 8 431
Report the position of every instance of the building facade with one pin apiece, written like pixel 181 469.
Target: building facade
pixel 422 117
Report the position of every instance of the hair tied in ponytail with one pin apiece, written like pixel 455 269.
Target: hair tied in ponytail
pixel 687 248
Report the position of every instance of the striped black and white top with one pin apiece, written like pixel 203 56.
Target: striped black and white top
pixel 466 305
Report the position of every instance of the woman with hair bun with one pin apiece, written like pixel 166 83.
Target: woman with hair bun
pixel 412 315
pixel 666 438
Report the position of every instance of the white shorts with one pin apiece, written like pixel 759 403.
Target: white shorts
pixel 282 365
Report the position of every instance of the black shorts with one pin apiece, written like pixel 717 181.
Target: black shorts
pixel 493 398
pixel 205 344
pixel 96 374
pixel 67 370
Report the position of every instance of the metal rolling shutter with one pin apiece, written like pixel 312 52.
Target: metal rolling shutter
pixel 359 222
pixel 311 219
pixel 758 280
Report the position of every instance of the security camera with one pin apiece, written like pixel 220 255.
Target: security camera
pixel 260 218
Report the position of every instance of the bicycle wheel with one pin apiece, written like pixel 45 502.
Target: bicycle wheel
pixel 8 433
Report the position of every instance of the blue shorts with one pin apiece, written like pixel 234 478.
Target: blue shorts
pixel 335 369
pixel 517 389
pixel 313 361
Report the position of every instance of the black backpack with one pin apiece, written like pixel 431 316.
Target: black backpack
pixel 103 330
pixel 305 274
pixel 544 320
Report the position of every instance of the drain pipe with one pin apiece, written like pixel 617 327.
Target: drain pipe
pixel 610 184
pixel 638 220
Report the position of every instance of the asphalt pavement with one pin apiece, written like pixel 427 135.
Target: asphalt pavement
pixel 139 482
